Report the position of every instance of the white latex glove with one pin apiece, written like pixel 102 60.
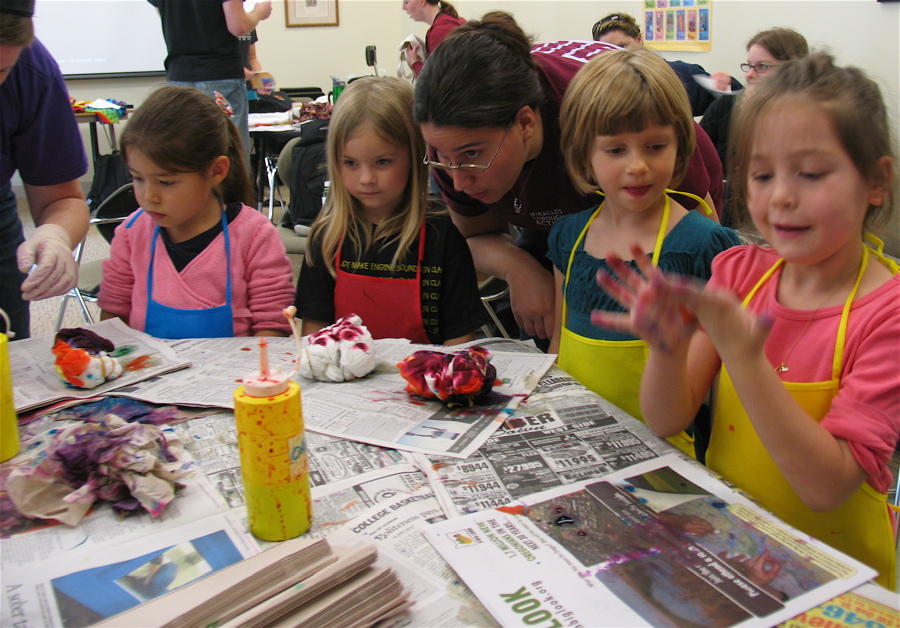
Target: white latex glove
pixel 50 250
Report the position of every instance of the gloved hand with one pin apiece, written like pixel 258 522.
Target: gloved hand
pixel 48 248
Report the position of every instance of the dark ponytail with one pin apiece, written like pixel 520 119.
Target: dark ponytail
pixel 446 7
pixel 183 130
pixel 480 76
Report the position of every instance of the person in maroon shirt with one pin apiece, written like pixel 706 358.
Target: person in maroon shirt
pixel 488 105
pixel 441 17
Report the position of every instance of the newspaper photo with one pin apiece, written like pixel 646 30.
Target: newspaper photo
pixel 561 434
pixel 374 409
pixel 36 382
pixel 78 585
pixel 661 543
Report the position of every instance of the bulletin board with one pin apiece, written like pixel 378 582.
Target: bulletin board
pixel 678 24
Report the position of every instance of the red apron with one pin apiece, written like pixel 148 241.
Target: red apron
pixel 389 307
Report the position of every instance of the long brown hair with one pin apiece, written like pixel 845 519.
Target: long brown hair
pixel 183 130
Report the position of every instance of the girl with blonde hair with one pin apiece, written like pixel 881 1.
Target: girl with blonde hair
pixel 379 248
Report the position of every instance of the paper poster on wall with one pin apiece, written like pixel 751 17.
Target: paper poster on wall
pixel 677 24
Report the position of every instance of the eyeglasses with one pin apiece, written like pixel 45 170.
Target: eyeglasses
pixel 759 68
pixel 476 167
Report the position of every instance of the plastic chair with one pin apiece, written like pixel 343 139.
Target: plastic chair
pixel 113 210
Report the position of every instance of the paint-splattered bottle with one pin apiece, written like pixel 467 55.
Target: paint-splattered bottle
pixel 274 462
pixel 9 427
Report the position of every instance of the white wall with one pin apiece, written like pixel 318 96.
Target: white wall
pixel 865 33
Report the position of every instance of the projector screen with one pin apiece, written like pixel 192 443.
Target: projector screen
pixel 102 38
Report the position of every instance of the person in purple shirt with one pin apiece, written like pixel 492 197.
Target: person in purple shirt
pixel 39 138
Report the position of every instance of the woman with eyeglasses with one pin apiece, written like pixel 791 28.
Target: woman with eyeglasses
pixel 488 105
pixel 765 51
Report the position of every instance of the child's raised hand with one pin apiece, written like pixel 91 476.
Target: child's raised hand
pixel 736 332
pixel 655 302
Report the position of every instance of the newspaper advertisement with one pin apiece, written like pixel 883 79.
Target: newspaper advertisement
pixel 36 382
pixel 212 441
pixel 870 605
pixel 559 435
pixel 375 409
pixel 346 477
pixel 79 585
pixel 336 504
pixel 395 526
pixel 661 543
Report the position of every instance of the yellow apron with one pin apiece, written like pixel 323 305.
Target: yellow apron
pixel 613 368
pixel 861 526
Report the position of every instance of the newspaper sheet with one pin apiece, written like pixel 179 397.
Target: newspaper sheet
pixel 661 543
pixel 346 477
pixel 57 575
pixel 212 441
pixel 375 409
pixel 561 434
pixel 394 526
pixel 870 605
pixel 79 585
pixel 100 526
pixel 36 383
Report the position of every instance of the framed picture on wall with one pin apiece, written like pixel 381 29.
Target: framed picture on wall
pixel 678 24
pixel 311 12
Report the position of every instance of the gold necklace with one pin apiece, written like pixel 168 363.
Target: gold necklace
pixel 783 367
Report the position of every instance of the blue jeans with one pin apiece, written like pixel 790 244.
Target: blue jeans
pixel 10 278
pixel 235 91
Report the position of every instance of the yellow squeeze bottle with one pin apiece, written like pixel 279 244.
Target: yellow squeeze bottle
pixel 274 462
pixel 9 426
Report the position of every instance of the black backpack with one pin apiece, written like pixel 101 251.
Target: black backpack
pixel 276 102
pixel 309 172
pixel 110 173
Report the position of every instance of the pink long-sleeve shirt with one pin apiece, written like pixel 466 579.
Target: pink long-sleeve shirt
pixel 261 278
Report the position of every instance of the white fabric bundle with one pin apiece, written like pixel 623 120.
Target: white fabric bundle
pixel 338 353
pixel 404 68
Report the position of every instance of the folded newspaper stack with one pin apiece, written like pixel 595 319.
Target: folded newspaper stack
pixel 301 582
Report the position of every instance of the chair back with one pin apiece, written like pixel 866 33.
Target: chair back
pixel 113 210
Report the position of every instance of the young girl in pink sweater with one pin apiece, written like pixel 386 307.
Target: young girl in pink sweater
pixel 195 261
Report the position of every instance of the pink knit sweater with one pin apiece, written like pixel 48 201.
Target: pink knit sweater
pixel 260 274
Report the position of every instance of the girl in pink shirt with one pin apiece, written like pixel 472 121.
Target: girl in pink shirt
pixel 802 333
pixel 195 261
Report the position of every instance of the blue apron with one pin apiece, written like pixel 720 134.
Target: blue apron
pixel 174 323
